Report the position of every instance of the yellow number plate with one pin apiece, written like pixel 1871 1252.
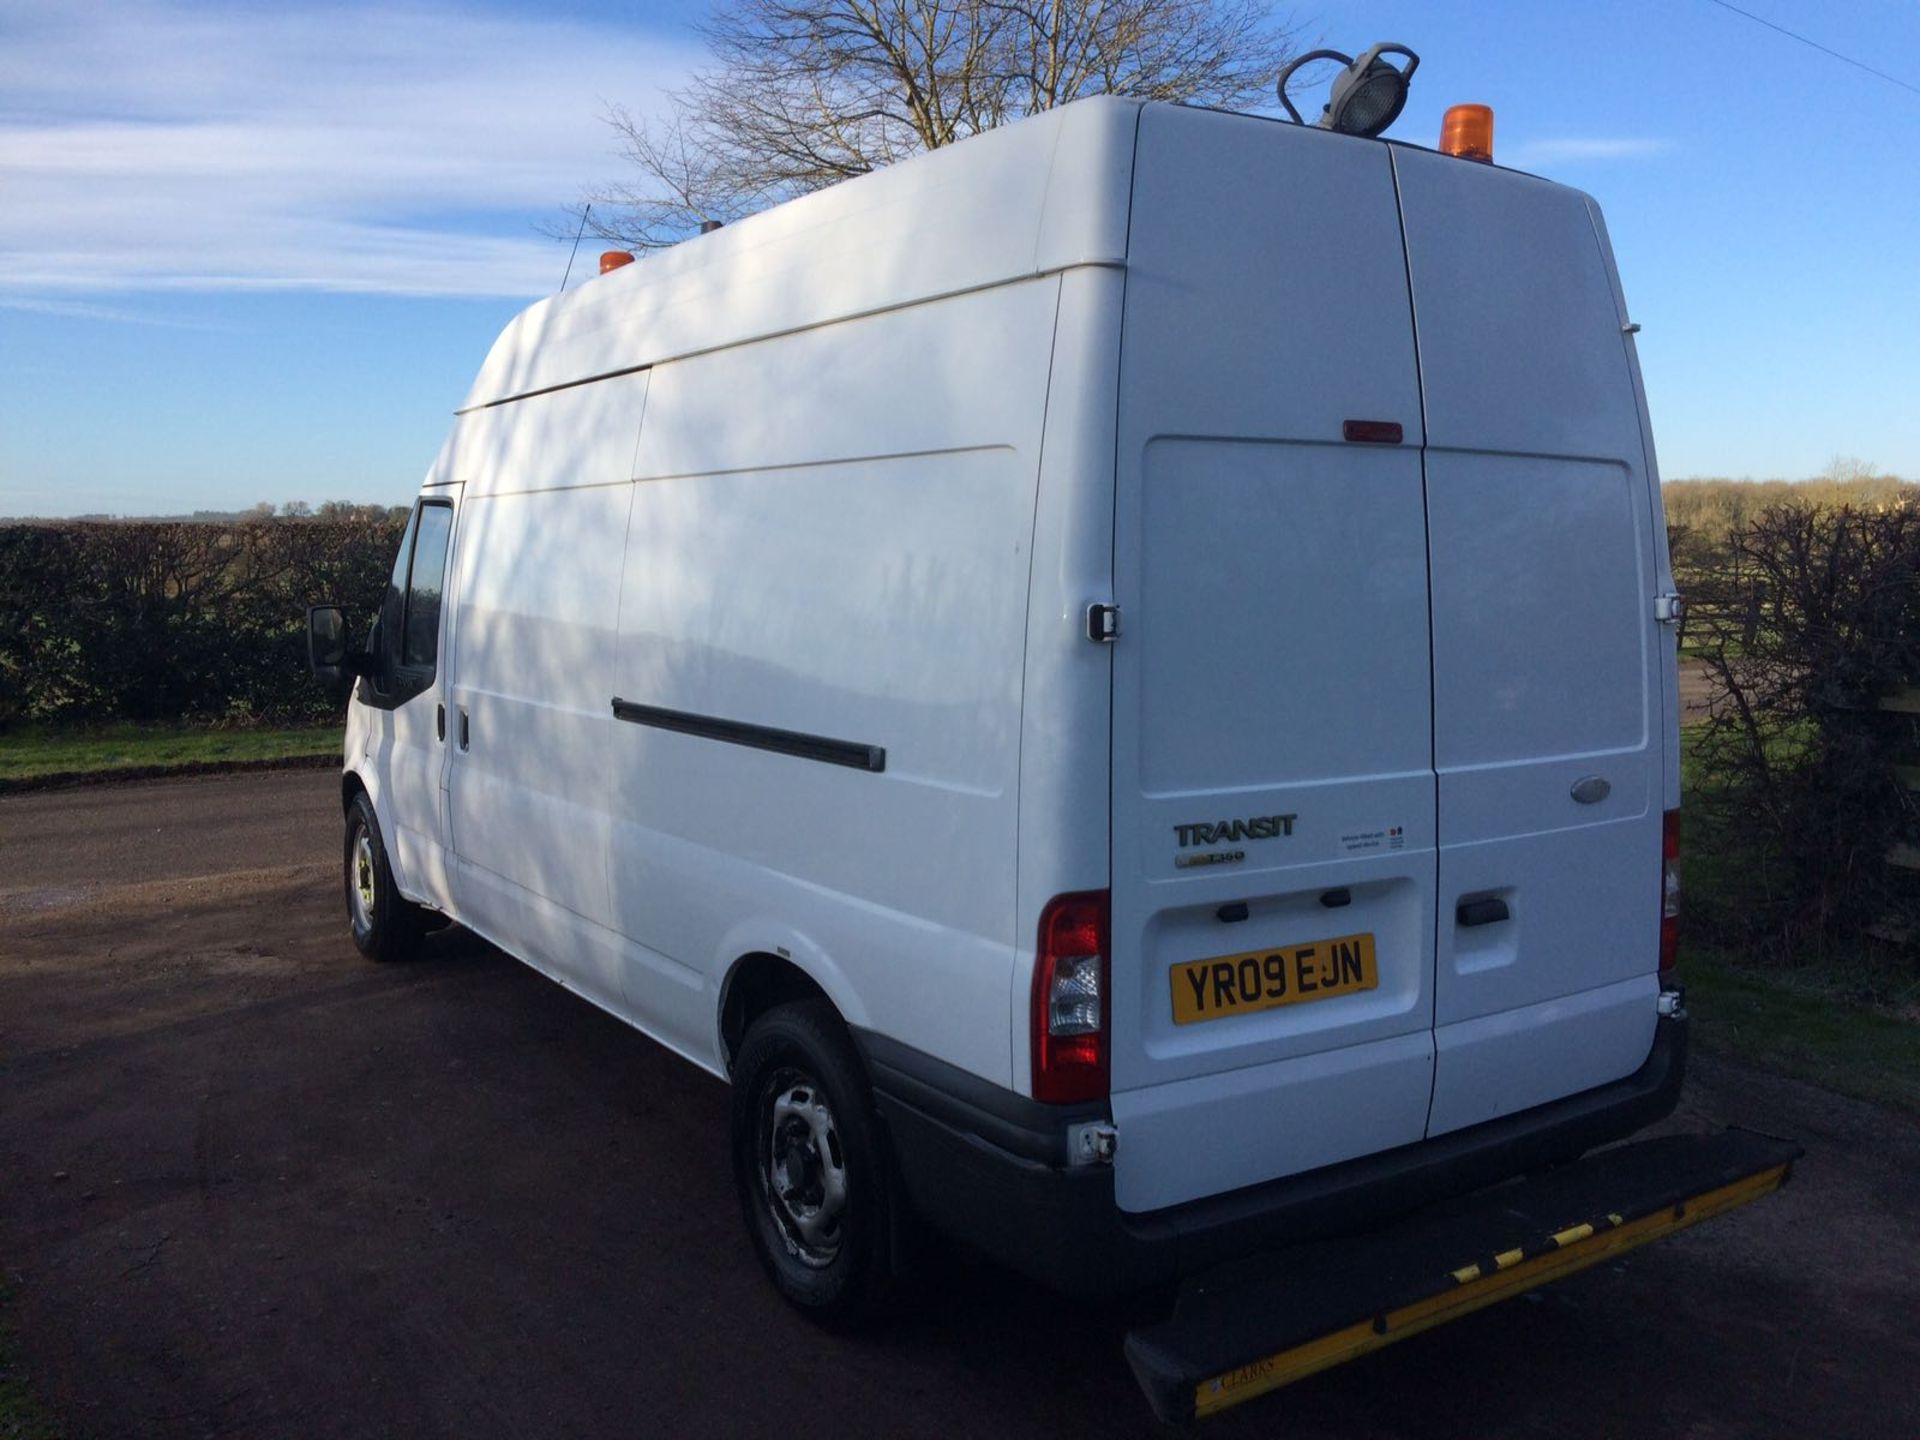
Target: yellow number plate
pixel 1265 979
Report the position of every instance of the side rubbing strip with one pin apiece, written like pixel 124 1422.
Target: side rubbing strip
pixel 850 753
pixel 549 389
pixel 1372 432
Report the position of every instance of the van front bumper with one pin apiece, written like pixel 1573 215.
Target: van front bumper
pixel 990 1168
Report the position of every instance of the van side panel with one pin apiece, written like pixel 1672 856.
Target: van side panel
pixel 1011 204
pixel 538 585
pixel 1548 703
pixel 830 536
pixel 1667 650
pixel 1066 716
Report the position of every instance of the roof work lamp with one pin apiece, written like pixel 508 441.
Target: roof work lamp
pixel 1366 97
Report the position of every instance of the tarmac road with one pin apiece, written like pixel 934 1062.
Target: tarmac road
pixel 251 1185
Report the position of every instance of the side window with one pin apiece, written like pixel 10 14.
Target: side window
pixel 384 637
pixel 421 643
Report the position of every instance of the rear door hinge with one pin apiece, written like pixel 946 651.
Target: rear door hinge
pixel 1670 608
pixel 1103 623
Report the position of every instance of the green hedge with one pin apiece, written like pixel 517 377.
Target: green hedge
pixel 177 620
pixel 1798 792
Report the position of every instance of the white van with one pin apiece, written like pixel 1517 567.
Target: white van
pixel 1111 678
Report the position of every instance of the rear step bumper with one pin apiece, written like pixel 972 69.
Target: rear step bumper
pixel 991 1167
pixel 1255 1325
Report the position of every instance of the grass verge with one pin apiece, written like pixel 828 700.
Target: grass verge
pixel 1798 1027
pixel 34 752
pixel 1849 1025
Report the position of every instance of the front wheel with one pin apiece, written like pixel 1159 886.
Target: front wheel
pixel 811 1167
pixel 386 925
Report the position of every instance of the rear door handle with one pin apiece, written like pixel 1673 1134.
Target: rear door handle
pixel 440 721
pixel 1481 912
pixel 465 733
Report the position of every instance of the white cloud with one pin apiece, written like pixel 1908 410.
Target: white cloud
pixel 87 310
pixel 382 149
pixel 1531 154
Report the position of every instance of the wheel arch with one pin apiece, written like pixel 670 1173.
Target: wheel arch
pixel 353 784
pixel 760 979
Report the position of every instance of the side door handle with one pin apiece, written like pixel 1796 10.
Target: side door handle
pixel 440 721
pixel 1489 911
pixel 465 733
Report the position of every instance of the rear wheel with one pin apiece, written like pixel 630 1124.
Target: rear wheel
pixel 386 926
pixel 810 1165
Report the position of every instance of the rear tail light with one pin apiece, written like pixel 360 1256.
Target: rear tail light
pixel 1070 1001
pixel 1669 893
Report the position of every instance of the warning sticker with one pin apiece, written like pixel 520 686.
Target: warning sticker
pixel 1360 842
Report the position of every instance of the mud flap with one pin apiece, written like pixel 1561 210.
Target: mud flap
pixel 1258 1324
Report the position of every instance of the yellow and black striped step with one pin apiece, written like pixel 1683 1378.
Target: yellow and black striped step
pixel 1266 1321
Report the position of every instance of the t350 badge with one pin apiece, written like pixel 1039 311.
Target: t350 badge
pixel 1227 832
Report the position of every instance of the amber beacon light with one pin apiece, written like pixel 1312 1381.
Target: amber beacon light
pixel 1467 131
pixel 614 259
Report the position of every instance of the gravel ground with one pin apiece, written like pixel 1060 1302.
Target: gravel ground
pixel 251 1185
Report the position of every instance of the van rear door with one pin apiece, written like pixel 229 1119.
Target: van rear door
pixel 1548 661
pixel 1273 793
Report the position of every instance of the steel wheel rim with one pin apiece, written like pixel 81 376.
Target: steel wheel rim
pixel 360 879
pixel 803 1170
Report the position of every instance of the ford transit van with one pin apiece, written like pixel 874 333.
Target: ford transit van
pixel 1115 680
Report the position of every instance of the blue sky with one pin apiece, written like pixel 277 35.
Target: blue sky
pixel 257 252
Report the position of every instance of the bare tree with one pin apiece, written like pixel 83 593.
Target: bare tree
pixel 804 93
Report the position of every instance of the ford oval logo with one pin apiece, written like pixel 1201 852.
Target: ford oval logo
pixel 1592 789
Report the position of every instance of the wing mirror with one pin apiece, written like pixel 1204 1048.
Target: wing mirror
pixel 334 663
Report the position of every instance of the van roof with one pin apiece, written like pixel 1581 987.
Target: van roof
pixel 1022 200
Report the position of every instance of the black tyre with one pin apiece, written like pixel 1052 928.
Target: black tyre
pixel 810 1163
pixel 385 925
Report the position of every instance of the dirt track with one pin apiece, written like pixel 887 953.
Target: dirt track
pixel 251 1185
